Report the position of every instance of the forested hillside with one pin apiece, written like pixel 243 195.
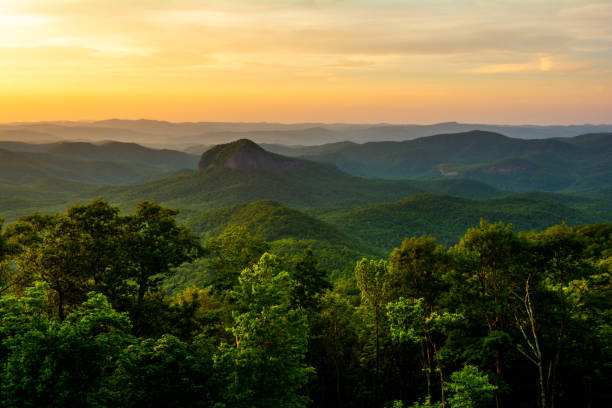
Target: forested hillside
pixel 447 217
pixel 286 282
pixel 95 312
pixel 335 204
pixel 242 172
pixel 576 164
pixel 106 163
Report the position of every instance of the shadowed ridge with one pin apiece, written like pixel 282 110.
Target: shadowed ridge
pixel 246 154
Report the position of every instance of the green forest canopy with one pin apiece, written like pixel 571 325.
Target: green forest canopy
pixel 91 314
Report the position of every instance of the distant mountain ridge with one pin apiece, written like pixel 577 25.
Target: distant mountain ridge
pixel 103 163
pixel 579 164
pixel 186 134
pixel 242 172
pixel 375 212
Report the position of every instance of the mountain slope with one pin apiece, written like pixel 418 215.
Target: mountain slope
pixel 242 172
pixel 46 196
pixel 106 163
pixel 19 167
pixel 125 152
pixel 580 164
pixel 244 154
pixel 270 220
pixel 447 218
pixel 289 233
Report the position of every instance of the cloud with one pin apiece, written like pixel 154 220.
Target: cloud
pixel 543 64
pixel 322 27
pixel 237 47
pixel 350 63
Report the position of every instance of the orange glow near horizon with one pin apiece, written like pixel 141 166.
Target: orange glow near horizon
pixel 540 61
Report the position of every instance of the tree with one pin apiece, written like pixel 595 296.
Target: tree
pixel 564 279
pixel 469 388
pixel 231 252
pixel 165 372
pixel 411 321
pixel 74 253
pixel 5 277
pixel 310 281
pixel 333 349
pixel 491 262
pixel 533 352
pixel 56 363
pixel 109 264
pixel 62 260
pixel 492 258
pixel 264 364
pixel 156 244
pixel 416 270
pixel 371 278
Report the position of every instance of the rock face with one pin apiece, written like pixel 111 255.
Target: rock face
pixel 245 154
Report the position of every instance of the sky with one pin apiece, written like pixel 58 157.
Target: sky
pixel 359 61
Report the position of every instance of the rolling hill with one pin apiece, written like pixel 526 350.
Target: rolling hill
pixel 104 163
pixel 243 172
pixel 580 164
pixel 447 218
pixel 346 214
pixel 289 232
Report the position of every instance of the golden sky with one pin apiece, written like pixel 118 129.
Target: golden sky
pixel 403 61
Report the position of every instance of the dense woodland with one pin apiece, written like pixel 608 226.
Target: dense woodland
pixel 101 308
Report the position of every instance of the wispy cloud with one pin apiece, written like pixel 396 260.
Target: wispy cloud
pixel 376 46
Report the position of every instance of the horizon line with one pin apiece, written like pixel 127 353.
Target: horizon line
pixel 93 121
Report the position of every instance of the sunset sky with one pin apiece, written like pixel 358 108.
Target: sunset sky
pixel 410 61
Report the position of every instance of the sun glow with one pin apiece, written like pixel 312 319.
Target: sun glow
pixel 273 60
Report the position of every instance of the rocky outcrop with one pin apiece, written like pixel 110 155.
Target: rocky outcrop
pixel 246 154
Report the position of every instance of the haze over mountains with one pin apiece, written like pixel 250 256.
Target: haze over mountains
pixel 376 193
pixel 579 164
pixel 104 163
pixel 374 190
pixel 190 134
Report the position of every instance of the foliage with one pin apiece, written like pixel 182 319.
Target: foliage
pixel 259 330
pixel 230 253
pixel 469 388
pixel 386 225
pixel 61 364
pixel 165 372
pixel 264 361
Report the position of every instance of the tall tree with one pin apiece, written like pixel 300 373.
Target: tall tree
pixel 62 260
pixel 264 365
pixel 156 244
pixel 491 262
pixel 416 270
pixel 564 280
pixel 231 252
pixel 412 321
pixel 371 276
pixel 107 250
pixel 310 281
pixel 59 364
pixel 165 373
pixel 4 252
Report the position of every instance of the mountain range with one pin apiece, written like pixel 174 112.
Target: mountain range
pixel 300 202
pixel 103 163
pixel 194 134
pixel 580 164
